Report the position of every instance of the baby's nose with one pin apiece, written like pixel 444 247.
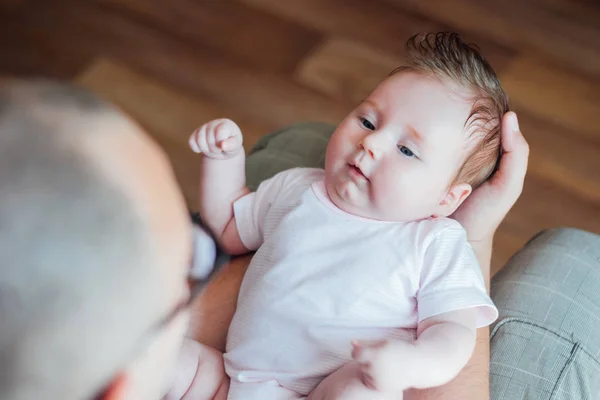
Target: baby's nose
pixel 373 145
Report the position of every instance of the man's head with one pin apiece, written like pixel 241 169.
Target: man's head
pixel 94 249
pixel 423 139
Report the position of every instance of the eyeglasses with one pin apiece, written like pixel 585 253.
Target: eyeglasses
pixel 207 259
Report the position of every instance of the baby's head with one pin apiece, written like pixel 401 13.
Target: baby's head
pixel 424 138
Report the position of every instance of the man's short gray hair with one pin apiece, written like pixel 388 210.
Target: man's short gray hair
pixel 73 253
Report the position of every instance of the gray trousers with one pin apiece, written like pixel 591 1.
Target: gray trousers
pixel 546 343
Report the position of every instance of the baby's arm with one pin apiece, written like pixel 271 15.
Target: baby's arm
pixel 446 343
pixel 222 179
pixel 443 347
pixel 199 374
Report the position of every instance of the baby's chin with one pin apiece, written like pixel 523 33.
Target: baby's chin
pixel 351 199
pixel 347 197
pixel 355 199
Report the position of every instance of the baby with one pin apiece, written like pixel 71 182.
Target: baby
pixel 360 262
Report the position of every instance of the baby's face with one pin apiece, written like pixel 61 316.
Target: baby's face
pixel 394 157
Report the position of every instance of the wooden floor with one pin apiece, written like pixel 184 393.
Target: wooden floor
pixel 266 63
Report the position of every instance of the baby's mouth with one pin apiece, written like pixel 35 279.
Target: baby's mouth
pixel 355 170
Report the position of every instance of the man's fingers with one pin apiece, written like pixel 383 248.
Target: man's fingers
pixel 513 164
pixel 510 126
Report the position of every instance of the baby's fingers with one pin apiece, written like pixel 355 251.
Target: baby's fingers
pixel 225 128
pixel 197 142
pixel 367 380
pixel 211 139
pixel 364 351
pixel 218 139
pixel 362 354
pixel 230 144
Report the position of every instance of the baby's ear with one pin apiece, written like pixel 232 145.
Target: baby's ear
pixel 453 199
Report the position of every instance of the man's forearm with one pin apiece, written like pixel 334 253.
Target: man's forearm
pixel 222 182
pixel 473 382
pixel 483 251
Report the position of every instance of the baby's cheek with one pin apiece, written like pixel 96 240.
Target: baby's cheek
pixel 398 185
pixel 390 202
pixel 335 153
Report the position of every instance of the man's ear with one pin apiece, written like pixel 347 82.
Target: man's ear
pixel 453 199
pixel 116 389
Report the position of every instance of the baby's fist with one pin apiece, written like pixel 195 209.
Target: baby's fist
pixel 219 139
pixel 383 364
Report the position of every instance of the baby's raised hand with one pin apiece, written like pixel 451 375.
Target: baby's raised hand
pixel 219 139
pixel 384 364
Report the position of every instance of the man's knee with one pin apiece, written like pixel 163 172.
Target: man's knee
pixel 554 278
pixel 548 296
pixel 560 260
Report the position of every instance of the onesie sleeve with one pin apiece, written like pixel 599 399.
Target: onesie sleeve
pixel 451 278
pixel 251 210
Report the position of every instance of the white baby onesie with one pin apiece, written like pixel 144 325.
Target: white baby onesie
pixel 322 277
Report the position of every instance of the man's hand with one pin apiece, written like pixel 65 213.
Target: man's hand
pixel 219 139
pixel 483 211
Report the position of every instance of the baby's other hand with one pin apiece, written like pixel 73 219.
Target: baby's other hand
pixel 199 374
pixel 384 364
pixel 219 139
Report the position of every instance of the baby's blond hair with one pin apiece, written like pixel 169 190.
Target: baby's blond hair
pixel 446 56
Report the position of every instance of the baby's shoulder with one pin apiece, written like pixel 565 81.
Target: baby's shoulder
pixel 428 231
pixel 438 243
pixel 441 226
pixel 431 228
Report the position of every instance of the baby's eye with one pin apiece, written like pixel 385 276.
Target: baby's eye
pixel 406 151
pixel 367 124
